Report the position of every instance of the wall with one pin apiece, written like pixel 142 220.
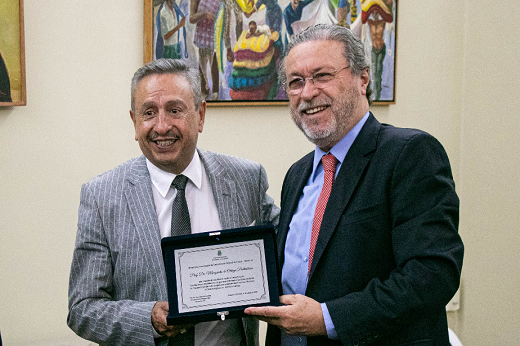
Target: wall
pixel 490 162
pixel 456 78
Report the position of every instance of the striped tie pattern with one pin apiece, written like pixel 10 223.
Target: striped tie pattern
pixel 329 166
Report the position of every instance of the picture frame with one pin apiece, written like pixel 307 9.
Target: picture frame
pixel 216 275
pixel 12 54
pixel 246 68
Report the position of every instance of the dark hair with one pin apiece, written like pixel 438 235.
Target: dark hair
pixel 169 66
pixel 353 51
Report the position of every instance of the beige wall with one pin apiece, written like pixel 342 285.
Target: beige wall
pixel 489 184
pixel 457 77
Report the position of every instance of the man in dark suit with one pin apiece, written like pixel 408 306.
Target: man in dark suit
pixel 368 236
pixel 117 290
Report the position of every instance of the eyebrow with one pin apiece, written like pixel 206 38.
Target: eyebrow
pixel 171 103
pixel 313 71
pixel 146 105
pixel 178 103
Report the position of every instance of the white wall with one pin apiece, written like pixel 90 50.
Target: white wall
pixel 457 77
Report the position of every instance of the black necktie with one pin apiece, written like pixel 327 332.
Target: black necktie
pixel 180 226
pixel 180 215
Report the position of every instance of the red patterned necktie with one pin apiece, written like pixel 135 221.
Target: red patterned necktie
pixel 329 166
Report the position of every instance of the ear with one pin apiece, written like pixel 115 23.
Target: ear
pixel 202 115
pixel 364 79
pixel 132 116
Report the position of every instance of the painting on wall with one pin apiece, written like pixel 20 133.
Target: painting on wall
pixel 12 54
pixel 237 44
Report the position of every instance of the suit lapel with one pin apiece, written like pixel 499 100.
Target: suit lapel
pixel 296 180
pixel 348 178
pixel 142 210
pixel 224 190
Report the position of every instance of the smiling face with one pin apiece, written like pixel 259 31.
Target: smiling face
pixel 325 115
pixel 166 122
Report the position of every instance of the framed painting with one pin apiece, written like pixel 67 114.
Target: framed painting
pixel 12 54
pixel 237 44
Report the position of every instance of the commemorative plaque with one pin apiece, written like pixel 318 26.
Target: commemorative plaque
pixel 216 275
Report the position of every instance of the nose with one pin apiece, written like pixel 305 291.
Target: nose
pixel 163 123
pixel 309 90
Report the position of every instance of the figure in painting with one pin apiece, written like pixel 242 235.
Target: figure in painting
pixel 170 20
pixel 256 53
pixel 342 13
pixel 293 13
pixel 253 30
pixel 231 8
pixel 254 75
pixel 377 13
pixel 203 15
pixel 273 13
pixel 297 18
pixel 5 84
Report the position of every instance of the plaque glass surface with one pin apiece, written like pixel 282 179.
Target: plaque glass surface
pixel 216 275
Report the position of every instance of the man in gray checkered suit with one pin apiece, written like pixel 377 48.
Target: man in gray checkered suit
pixel 117 289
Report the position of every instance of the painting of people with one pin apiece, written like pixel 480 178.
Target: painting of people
pixel 237 44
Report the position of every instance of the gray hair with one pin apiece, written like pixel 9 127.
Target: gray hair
pixel 353 51
pixel 169 66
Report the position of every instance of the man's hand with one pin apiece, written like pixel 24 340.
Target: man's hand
pixel 159 313
pixel 300 315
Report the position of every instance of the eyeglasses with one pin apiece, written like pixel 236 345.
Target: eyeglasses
pixel 319 80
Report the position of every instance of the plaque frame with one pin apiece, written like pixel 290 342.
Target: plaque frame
pixel 193 241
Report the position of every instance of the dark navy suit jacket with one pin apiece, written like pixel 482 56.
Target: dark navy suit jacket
pixel 388 256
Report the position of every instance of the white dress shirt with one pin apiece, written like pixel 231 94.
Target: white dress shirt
pixel 204 218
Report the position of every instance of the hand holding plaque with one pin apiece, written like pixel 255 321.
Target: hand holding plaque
pixel 216 275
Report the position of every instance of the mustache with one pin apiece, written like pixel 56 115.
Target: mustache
pixel 168 135
pixel 311 104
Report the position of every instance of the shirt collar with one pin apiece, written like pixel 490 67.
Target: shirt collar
pixel 162 180
pixel 341 148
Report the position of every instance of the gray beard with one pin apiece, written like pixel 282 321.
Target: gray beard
pixel 337 126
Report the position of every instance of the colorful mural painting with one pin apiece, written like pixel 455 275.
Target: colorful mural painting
pixel 237 44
